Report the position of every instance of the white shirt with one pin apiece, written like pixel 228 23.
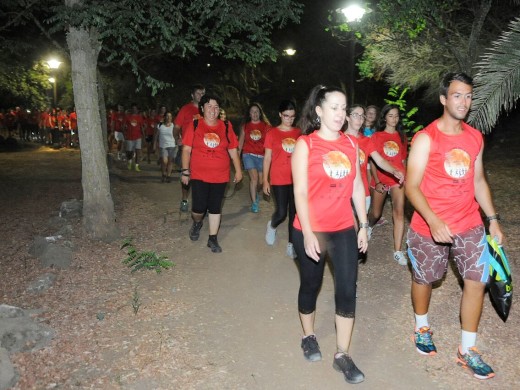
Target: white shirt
pixel 166 139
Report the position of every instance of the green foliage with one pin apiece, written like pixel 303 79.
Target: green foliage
pixel 497 83
pixel 396 95
pixel 134 33
pixel 145 259
pixel 414 42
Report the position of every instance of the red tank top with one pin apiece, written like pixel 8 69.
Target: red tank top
pixel 330 175
pixel 448 181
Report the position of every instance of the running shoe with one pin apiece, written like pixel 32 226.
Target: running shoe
pixel 311 349
pixel 130 165
pixel 400 258
pixel 270 234
pixel 344 363
pixel 137 169
pixel 290 251
pixel 473 360
pixel 254 207
pixel 195 230
pixel 184 206
pixel 423 341
pixel 213 245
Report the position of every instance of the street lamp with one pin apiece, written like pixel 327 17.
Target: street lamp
pixel 290 51
pixel 353 13
pixel 54 65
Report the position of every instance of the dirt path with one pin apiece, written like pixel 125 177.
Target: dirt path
pixel 218 321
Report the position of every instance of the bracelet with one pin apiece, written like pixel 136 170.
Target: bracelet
pixel 364 225
pixel 185 174
pixel 494 217
pixel 185 169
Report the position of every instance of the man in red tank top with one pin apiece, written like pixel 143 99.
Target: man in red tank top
pixel 446 185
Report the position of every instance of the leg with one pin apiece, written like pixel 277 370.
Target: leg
pixel 471 305
pixel 376 207
pixel 397 194
pixel 253 183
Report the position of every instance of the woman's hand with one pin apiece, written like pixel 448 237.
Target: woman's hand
pixel 399 176
pixel 238 176
pixel 312 246
pixel 362 240
pixel 266 188
pixel 381 188
pixel 185 179
pixel 440 231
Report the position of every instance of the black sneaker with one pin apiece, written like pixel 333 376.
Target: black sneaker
pixel 195 230
pixel 311 349
pixel 343 363
pixel 213 244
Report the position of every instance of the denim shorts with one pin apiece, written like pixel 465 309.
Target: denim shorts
pixel 253 161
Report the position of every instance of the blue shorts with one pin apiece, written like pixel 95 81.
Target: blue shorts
pixel 253 161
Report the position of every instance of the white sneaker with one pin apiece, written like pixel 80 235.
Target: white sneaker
pixel 270 234
pixel 369 233
pixel 400 258
pixel 290 251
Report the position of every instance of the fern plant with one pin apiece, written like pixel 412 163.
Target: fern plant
pixel 144 259
pixel 397 96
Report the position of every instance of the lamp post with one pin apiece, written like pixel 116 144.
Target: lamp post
pixel 54 65
pixel 353 13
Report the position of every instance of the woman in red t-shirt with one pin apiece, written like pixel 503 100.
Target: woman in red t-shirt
pixel 251 144
pixel 208 145
pixel 279 146
pixel 391 143
pixel 325 168
pixel 355 118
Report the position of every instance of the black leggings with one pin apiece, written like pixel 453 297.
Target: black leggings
pixel 341 247
pixel 207 197
pixel 283 199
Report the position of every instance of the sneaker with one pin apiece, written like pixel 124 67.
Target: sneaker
pixel 195 230
pixel 213 244
pixel 254 207
pixel 311 349
pixel 382 221
pixel 270 234
pixel 137 169
pixel 400 258
pixel 290 251
pixel 344 363
pixel 369 233
pixel 423 341
pixel 184 206
pixel 130 165
pixel 473 360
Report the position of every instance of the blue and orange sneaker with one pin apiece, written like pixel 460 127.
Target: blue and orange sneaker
pixel 473 360
pixel 423 341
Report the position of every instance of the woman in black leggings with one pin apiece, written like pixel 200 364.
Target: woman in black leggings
pixel 326 174
pixel 277 181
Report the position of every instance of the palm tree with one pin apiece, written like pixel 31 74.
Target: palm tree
pixel 497 81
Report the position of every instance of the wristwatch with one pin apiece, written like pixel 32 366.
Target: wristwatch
pixel 364 225
pixel 494 217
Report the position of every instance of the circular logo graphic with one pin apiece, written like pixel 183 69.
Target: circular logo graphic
pixel 362 156
pixel 336 164
pixel 456 163
pixel 211 140
pixel 288 144
pixel 391 148
pixel 256 135
pixel 133 122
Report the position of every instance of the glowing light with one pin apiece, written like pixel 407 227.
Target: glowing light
pixel 53 63
pixel 354 12
pixel 290 51
pixel 52 80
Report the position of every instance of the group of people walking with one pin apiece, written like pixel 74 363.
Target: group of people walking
pixel 330 174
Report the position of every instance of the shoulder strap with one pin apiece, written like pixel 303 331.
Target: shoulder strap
pixel 227 130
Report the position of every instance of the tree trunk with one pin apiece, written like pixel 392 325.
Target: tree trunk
pixel 98 207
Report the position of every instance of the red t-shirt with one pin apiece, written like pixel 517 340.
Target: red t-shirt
pixel 330 175
pixel 187 114
pixel 392 149
pixel 448 181
pixel 282 145
pixel 45 120
pixel 134 124
pixel 118 118
pixel 209 154
pixel 73 120
pixel 254 137
pixel 150 126
pixel 366 147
